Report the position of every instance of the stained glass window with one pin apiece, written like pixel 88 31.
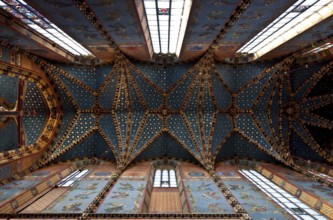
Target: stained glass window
pixel 299 17
pixel 167 21
pixel 21 10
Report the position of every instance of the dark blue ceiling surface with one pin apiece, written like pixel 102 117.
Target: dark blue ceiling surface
pixel 68 17
pixel 36 113
pixel 9 136
pixel 165 146
pixel 124 22
pixel 201 119
pixel 209 111
pixel 237 146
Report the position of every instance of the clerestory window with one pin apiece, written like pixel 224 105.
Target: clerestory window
pixel 165 178
pixel 73 177
pixel 288 202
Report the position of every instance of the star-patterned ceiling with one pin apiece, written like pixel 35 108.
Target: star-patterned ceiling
pixel 125 110
pixel 106 26
pixel 209 111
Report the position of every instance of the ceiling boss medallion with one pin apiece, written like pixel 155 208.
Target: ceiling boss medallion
pixel 292 110
pixel 97 111
pixel 164 111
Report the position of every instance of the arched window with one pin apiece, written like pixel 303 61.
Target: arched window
pixel 157 179
pixel 173 182
pixel 288 202
pixel 165 178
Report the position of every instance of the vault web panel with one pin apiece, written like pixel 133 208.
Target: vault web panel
pixel 106 97
pixel 246 124
pixel 83 98
pixel 84 123
pixel 152 97
pixel 245 99
pixel 222 96
pixel 222 127
pixel 87 75
pixel 108 127
pixel 152 126
pixel 177 96
pixel 9 88
pixel 177 127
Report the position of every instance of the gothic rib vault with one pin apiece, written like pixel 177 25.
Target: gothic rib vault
pixel 205 109
pixel 118 111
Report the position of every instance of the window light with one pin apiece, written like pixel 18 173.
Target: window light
pixel 165 178
pixel 299 17
pixel 322 176
pixel 42 25
pixel 292 205
pixel 167 21
pixel 321 48
pixel 72 178
pixel 157 178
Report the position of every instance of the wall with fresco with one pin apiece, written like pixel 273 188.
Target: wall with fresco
pixel 16 194
pixel 255 202
pixel 132 192
pixel 202 193
pixel 304 183
pixel 127 195
pixel 76 198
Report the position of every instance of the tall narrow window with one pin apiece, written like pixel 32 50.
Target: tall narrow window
pixel 321 48
pixel 73 177
pixel 299 17
pixel 21 10
pixel 167 21
pixel 173 182
pixel 165 178
pixel 288 202
pixel 157 179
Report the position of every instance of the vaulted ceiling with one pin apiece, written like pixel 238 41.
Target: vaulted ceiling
pixel 200 110
pixel 102 24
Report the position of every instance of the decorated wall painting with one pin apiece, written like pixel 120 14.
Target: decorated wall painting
pixel 205 197
pixel 125 197
pixel 46 172
pixel 77 199
pixel 228 174
pixel 304 183
pixel 15 188
pixel 316 189
pixel 256 203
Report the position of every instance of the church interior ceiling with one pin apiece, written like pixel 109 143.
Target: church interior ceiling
pixel 206 107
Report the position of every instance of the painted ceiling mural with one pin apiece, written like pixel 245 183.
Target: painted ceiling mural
pixel 122 110
pixel 34 111
pixel 206 109
pixel 88 21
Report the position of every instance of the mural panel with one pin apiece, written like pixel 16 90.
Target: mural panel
pixel 77 199
pixel 255 202
pixel 205 197
pixel 125 197
pixel 304 183
pixel 15 188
